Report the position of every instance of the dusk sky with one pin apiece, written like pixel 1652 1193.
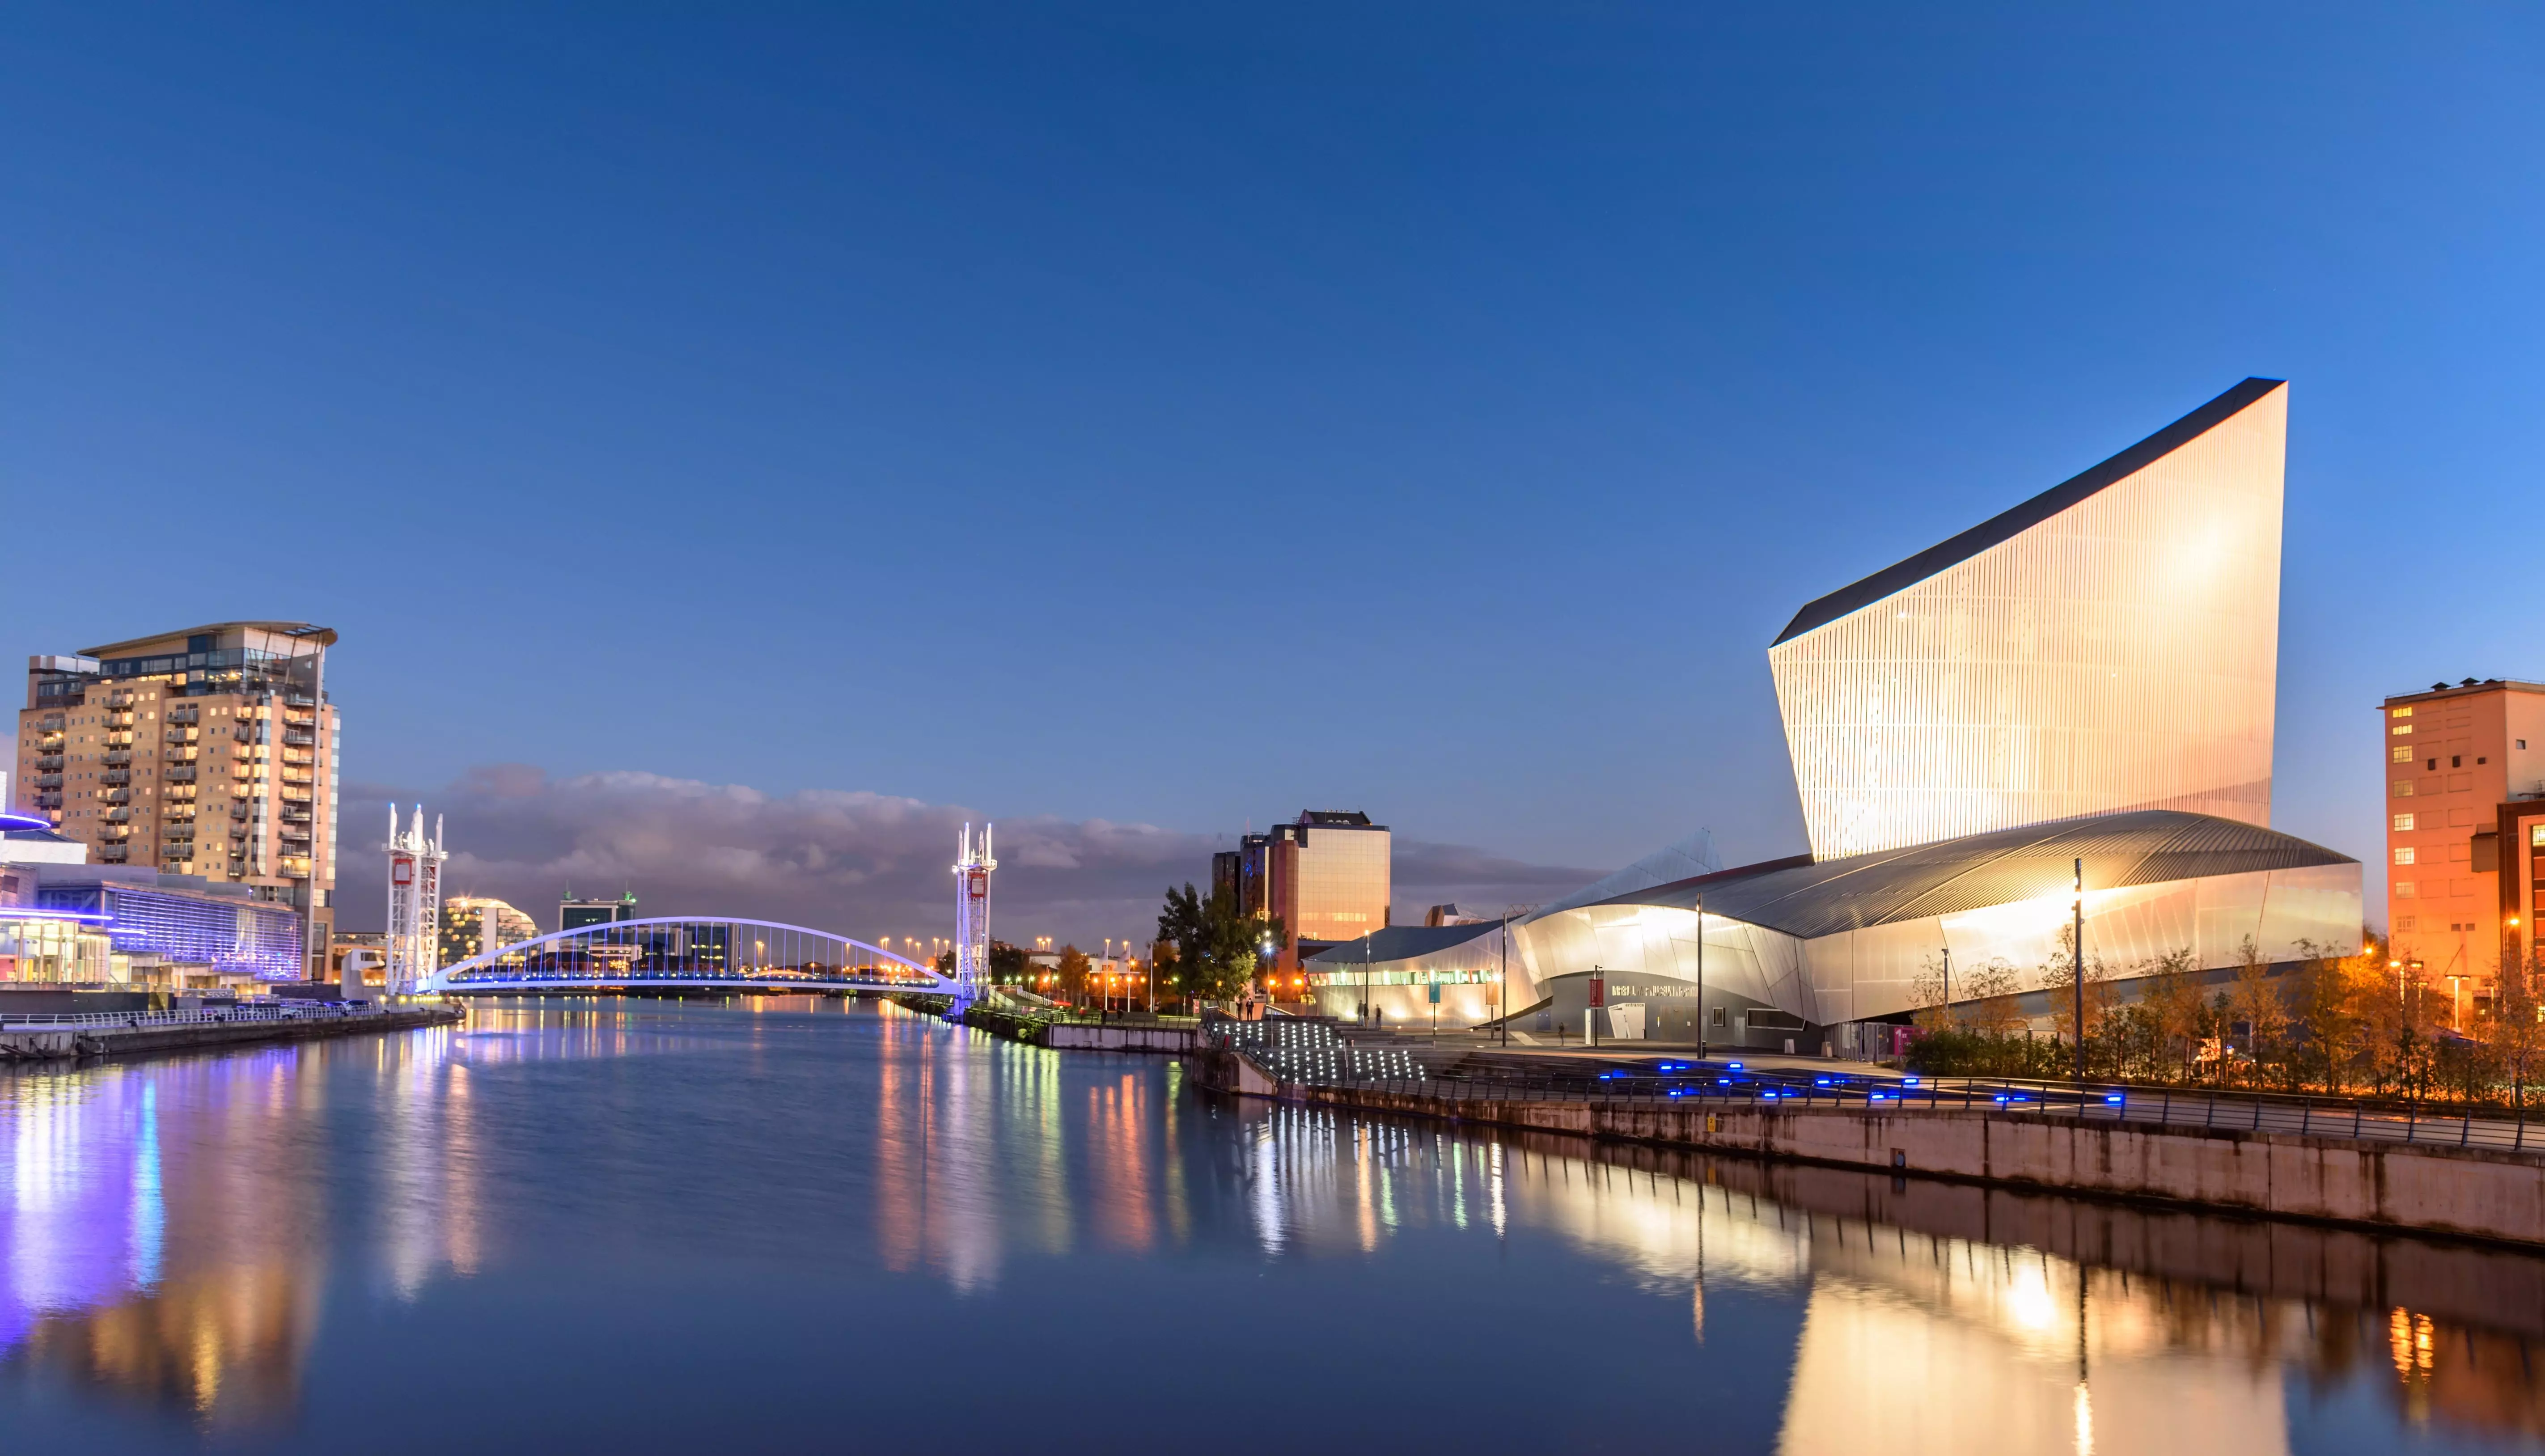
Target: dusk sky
pixel 739 445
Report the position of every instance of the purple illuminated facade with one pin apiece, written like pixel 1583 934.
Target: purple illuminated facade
pixel 183 928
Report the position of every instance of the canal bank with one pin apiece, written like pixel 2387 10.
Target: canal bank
pixel 150 1033
pixel 2477 1193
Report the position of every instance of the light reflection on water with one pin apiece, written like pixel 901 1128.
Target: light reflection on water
pixel 231 1244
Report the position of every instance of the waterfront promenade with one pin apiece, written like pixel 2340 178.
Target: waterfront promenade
pixel 40 1036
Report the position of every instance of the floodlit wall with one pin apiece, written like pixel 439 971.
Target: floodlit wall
pixel 1871 972
pixel 2119 655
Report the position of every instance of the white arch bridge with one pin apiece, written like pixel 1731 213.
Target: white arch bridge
pixel 691 952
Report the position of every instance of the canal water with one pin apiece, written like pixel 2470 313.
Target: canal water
pixel 809 1226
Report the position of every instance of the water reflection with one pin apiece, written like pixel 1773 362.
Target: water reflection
pixel 196 1237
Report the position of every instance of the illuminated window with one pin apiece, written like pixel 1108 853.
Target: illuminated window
pixel 2404 856
pixel 2403 731
pixel 2404 754
pixel 2403 821
pixel 2403 889
pixel 2402 712
pixel 2403 788
pixel 2536 836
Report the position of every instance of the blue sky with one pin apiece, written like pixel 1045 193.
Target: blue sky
pixel 1179 416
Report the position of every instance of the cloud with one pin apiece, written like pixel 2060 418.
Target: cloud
pixel 854 862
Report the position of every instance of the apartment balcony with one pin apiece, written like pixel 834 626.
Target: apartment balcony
pixel 298 700
pixel 181 755
pixel 48 781
pixel 182 735
pixel 116 775
pixel 50 763
pixel 49 743
pixel 243 733
pixel 297 758
pixel 176 834
pixel 117 796
pixel 238 831
pixel 301 737
pixel 182 774
pixel 121 697
pixel 177 813
pixel 185 714
pixel 295 793
pixel 116 832
pixel 52 801
pixel 293 866
pixel 298 816
pixel 112 853
pixel 115 813
pixel 297 778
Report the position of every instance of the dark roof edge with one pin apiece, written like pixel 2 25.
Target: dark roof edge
pixel 2031 513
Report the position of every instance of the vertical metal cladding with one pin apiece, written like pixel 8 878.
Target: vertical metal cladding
pixel 2119 654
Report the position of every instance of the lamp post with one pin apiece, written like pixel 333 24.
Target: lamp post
pixel 1502 997
pixel 1702 1022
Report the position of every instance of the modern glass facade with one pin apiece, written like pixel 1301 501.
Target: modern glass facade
pixel 2110 645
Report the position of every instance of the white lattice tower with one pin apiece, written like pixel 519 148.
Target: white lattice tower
pixel 415 903
pixel 972 912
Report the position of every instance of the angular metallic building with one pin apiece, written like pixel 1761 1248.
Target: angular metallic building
pixel 2110 644
pixel 2089 676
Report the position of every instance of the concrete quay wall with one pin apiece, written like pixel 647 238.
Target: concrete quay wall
pixel 2479 1192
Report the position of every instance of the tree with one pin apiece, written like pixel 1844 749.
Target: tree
pixel 1006 963
pixel 2058 976
pixel 1074 977
pixel 1217 945
pixel 2519 1023
pixel 2252 999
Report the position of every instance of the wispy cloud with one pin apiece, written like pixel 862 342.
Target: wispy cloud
pixel 859 863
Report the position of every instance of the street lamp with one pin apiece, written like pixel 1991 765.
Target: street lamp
pixel 2077 957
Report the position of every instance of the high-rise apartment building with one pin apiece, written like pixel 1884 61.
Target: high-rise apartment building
pixel 2464 769
pixel 208 752
pixel 1325 876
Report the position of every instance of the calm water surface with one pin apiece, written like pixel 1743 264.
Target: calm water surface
pixel 651 1227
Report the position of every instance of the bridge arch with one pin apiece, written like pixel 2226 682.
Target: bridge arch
pixel 685 952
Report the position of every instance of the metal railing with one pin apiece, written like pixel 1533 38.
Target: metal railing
pixel 188 1016
pixel 1725 1086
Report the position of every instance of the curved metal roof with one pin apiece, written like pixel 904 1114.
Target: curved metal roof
pixel 1400 942
pixel 2142 846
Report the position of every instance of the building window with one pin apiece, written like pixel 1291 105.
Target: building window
pixel 2483 760
pixel 2522 742
pixel 2536 836
pixel 2456 761
pixel 2404 856
pixel 2403 821
pixel 2403 788
pixel 2404 731
pixel 2435 763
pixel 2404 754
pixel 2403 889
pixel 2403 923
pixel 2402 712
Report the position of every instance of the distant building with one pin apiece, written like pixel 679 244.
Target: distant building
pixel 1461 914
pixel 464 927
pixel 574 915
pixel 2464 769
pixel 1325 876
pixel 208 752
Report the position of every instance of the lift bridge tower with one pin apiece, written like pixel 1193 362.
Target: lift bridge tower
pixel 415 904
pixel 973 915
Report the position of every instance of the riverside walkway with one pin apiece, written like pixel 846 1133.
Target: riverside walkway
pixel 46 1036
pixel 2336 1160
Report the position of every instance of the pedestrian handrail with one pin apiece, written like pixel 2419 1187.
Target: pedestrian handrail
pixel 188 1016
pixel 2210 1109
